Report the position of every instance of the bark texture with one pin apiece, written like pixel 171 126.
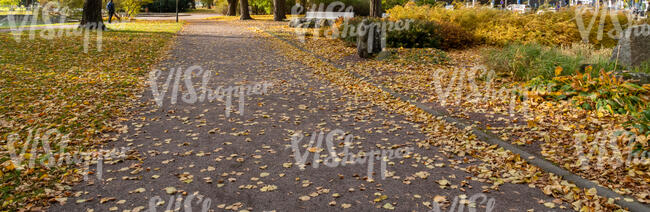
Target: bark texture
pixel 375 8
pixel 92 15
pixel 279 12
pixel 232 8
pixel 245 14
pixel 369 39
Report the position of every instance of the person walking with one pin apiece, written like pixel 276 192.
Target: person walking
pixel 111 10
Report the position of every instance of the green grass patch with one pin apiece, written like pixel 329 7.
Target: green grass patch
pixel 147 26
pixel 36 25
pixel 527 61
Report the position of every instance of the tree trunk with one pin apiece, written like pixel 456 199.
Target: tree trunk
pixel 368 39
pixel 232 8
pixel 279 12
pixel 303 3
pixel 375 8
pixel 92 15
pixel 245 14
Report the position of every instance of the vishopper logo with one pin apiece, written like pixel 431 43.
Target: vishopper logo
pixel 51 139
pixel 477 85
pixel 604 148
pixel 371 30
pixel 472 203
pixel 34 137
pixel 50 31
pixel 335 159
pixel 180 202
pixel 337 8
pixel 616 32
pixel 203 93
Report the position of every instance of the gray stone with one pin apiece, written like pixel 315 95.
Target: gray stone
pixel 636 77
pixel 634 46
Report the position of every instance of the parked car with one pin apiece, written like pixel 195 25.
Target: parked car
pixel 547 10
pixel 519 8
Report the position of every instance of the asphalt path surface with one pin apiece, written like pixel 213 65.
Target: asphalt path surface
pixel 198 154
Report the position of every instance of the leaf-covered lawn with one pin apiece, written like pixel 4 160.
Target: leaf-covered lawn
pixel 52 83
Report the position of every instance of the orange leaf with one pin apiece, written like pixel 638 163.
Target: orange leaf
pixel 558 71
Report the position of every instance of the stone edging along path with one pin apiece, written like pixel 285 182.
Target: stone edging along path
pixel 493 139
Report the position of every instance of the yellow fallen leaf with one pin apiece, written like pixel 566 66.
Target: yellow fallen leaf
pixel 549 204
pixel 439 198
pixel 591 192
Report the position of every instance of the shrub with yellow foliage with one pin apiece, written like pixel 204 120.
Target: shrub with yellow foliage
pixel 499 27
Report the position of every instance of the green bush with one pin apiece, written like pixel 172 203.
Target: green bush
pixel 360 7
pixel 167 6
pixel 641 121
pixel 261 7
pixel 258 7
pixel 387 4
pixel 221 6
pixel 418 34
pixel 454 36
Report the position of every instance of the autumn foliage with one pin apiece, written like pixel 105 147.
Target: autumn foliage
pixel 498 27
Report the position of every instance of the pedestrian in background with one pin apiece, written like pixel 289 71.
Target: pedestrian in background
pixel 111 10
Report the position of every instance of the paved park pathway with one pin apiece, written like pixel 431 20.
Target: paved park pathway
pixel 244 161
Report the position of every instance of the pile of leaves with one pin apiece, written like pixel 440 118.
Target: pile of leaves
pixel 52 84
pixel 604 93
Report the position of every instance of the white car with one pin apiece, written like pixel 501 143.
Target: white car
pixel 519 8
pixel 549 10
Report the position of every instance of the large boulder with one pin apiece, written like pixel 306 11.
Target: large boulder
pixel 634 46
